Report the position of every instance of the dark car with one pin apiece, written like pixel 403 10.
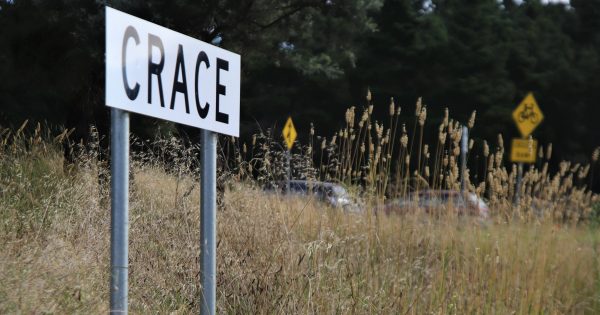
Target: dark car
pixel 332 194
pixel 439 202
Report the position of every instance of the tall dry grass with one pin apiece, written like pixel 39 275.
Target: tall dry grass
pixel 381 161
pixel 275 255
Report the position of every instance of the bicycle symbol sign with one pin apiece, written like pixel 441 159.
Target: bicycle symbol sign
pixel 527 115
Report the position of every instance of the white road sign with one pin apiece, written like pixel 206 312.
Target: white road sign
pixel 154 71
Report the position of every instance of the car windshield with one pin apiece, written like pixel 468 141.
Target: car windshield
pixel 339 191
pixel 298 187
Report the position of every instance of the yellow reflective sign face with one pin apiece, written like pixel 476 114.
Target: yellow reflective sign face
pixel 523 150
pixel 527 115
pixel 289 133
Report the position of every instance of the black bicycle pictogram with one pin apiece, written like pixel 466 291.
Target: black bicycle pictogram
pixel 528 114
pixel 288 134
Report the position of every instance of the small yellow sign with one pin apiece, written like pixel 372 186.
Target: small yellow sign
pixel 527 115
pixel 289 133
pixel 523 150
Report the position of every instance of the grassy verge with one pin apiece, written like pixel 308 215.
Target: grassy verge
pixel 275 255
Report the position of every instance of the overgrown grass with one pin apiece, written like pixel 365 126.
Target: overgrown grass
pixel 383 160
pixel 275 255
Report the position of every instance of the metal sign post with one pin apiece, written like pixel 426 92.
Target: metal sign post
pixel 463 157
pixel 289 170
pixel 208 213
pixel 527 116
pixel 119 232
pixel 201 83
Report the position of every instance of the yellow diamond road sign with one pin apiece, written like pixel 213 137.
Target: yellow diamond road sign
pixel 289 133
pixel 527 115
pixel 523 150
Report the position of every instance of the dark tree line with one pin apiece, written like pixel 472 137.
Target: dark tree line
pixel 313 58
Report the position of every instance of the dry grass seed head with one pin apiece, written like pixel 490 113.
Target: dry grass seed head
pixel 456 151
pixel 486 149
pixel 596 154
pixel 404 140
pixel 583 172
pixel 418 107
pixel 471 122
pixel 446 117
pixel 442 138
pixel 423 116
pixel 575 167
pixel 499 156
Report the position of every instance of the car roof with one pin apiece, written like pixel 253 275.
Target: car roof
pixel 311 182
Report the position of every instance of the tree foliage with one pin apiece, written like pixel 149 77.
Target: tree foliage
pixel 486 55
pixel 312 58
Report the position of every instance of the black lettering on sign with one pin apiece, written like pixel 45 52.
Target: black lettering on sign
pixel 202 111
pixel 177 85
pixel 155 68
pixel 130 32
pixel 221 65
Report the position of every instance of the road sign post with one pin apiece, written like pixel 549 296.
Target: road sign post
pixel 208 227
pixel 288 155
pixel 463 156
pixel 527 117
pixel 289 135
pixel 119 218
pixel 157 72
